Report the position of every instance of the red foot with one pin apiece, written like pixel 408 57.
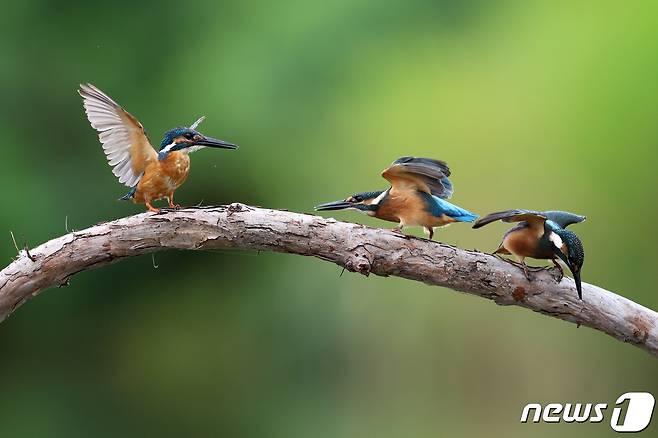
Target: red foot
pixel 152 208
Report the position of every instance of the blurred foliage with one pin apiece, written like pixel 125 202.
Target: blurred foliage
pixel 543 105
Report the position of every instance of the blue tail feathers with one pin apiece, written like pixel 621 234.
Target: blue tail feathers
pixel 444 207
pixel 128 196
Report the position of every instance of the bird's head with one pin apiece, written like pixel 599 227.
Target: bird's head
pixel 569 248
pixel 189 140
pixel 367 202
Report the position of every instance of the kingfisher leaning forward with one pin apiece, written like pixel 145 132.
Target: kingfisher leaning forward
pixel 417 196
pixel 541 235
pixel 150 175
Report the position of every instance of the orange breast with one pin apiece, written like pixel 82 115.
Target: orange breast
pixel 522 242
pixel 408 208
pixel 389 208
pixel 176 167
pixel 163 177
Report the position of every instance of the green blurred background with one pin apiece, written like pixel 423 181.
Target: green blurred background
pixel 542 105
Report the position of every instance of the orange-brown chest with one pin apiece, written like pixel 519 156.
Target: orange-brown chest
pixel 162 177
pixel 175 167
pixel 408 208
pixel 523 242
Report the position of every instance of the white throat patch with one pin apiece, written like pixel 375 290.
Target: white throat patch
pixel 379 198
pixel 556 239
pixel 193 149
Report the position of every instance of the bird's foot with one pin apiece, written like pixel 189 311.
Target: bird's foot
pixel 560 272
pixel 527 273
pixel 174 206
pixel 430 232
pixel 153 209
pixel 520 265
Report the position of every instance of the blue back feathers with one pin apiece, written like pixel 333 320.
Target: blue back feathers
pixel 438 207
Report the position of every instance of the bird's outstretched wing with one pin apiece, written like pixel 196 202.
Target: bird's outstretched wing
pixel 534 218
pixel 126 146
pixel 563 218
pixel 424 174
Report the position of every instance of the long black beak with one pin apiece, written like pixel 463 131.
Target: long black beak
pixel 214 143
pixel 336 205
pixel 579 286
pixel 576 274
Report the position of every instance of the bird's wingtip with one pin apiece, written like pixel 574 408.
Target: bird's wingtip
pixel 86 88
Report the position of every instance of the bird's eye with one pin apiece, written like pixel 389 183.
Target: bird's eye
pixel 188 135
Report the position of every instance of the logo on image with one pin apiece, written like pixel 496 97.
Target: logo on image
pixel 632 412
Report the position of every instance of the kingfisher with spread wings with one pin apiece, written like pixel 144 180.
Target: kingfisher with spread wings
pixel 150 175
pixel 417 197
pixel 541 235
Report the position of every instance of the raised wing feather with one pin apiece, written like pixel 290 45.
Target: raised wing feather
pixel 424 174
pixel 563 218
pixel 534 218
pixel 126 146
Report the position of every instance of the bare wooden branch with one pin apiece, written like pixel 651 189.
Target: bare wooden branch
pixel 355 247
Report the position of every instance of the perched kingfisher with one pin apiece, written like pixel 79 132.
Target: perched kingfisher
pixel 150 175
pixel 417 196
pixel 541 235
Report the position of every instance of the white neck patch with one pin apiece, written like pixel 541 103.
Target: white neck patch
pixel 379 198
pixel 556 239
pixel 167 148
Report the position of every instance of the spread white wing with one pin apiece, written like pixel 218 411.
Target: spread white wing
pixel 126 146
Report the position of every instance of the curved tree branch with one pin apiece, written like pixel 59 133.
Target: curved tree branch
pixel 355 247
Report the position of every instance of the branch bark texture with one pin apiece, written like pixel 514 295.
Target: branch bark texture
pixel 355 247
